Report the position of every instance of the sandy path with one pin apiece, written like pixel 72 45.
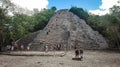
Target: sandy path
pixel 91 59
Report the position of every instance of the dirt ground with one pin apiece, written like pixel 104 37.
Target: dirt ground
pixel 91 59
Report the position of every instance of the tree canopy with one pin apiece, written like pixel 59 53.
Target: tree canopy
pixel 108 25
pixel 14 27
pixel 80 12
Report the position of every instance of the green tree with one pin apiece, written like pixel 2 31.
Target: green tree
pixel 4 27
pixel 42 18
pixel 53 8
pixel 108 25
pixel 18 25
pixel 113 26
pixel 80 12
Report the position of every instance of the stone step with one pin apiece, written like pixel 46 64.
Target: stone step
pixel 34 53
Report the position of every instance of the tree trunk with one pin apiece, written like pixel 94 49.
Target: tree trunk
pixel 1 42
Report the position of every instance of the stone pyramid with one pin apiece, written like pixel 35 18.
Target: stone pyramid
pixel 69 31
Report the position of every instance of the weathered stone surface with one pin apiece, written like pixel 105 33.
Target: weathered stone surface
pixel 26 40
pixel 70 32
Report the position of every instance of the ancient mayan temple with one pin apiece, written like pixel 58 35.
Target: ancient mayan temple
pixel 69 31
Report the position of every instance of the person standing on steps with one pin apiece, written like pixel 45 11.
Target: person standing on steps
pixel 46 48
pixel 58 46
pixel 28 48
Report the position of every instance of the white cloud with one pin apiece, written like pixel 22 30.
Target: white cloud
pixel 106 4
pixel 104 7
pixel 99 12
pixel 31 4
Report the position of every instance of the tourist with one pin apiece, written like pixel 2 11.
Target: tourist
pixel 28 48
pixel 81 54
pixel 12 48
pixel 46 48
pixel 58 46
pixel 8 47
pixel 22 47
pixel 77 53
pixel 16 46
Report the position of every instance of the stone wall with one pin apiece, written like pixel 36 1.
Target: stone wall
pixel 26 40
pixel 71 32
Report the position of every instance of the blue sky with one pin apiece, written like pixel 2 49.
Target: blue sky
pixel 66 4
pixel 99 7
